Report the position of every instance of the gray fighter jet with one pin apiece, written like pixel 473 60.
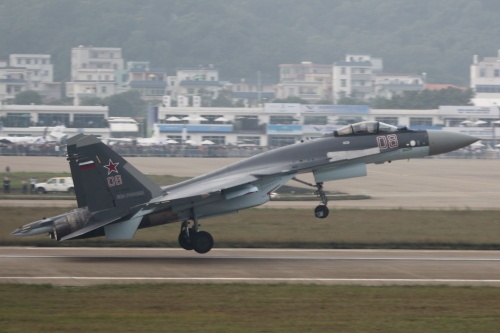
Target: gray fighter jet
pixel 115 199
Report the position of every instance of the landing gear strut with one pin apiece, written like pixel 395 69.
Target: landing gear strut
pixel 321 211
pixel 193 238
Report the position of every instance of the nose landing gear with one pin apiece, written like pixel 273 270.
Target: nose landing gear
pixel 321 211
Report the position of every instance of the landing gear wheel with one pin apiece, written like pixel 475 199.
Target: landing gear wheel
pixel 202 241
pixel 185 240
pixel 321 211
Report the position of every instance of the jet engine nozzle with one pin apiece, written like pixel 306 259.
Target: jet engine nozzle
pixel 70 223
pixel 441 142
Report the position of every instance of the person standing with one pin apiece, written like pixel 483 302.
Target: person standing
pixel 6 185
pixel 32 183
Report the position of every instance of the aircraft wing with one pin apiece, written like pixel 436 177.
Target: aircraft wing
pixel 201 190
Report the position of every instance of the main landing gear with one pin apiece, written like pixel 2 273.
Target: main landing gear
pixel 194 239
pixel 321 211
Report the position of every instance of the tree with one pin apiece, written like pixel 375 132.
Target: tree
pixel 28 97
pixel 425 99
pixel 127 104
pixel 224 99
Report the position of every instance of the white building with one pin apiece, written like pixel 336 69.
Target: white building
pixel 387 85
pixel 195 81
pixel 93 72
pixel 311 82
pixel 354 77
pixel 485 80
pixel 12 82
pixel 33 120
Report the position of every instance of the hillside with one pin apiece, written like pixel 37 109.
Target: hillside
pixel 241 37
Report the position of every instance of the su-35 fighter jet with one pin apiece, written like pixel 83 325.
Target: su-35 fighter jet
pixel 115 199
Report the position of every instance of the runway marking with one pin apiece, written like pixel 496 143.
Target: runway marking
pixel 228 279
pixel 249 258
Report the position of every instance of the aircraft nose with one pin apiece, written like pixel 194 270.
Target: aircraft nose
pixel 441 142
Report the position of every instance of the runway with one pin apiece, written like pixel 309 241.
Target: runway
pixel 89 266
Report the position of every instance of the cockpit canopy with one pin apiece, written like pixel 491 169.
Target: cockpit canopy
pixel 365 127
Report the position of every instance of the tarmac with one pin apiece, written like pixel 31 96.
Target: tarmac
pixel 89 266
pixel 437 183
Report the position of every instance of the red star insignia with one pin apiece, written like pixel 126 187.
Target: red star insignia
pixel 111 167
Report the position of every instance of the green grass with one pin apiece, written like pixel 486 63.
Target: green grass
pixel 248 308
pixel 298 228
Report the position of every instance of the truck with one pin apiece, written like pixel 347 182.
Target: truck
pixel 56 184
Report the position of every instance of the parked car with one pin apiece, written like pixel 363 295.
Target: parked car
pixel 57 184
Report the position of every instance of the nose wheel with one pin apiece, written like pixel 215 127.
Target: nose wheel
pixel 322 210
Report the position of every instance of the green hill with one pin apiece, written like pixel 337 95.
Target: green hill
pixel 241 37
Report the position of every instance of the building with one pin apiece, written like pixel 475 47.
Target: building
pixel 151 83
pixel 93 72
pixel 388 85
pixel 308 81
pixel 196 86
pixel 485 80
pixel 13 80
pixel 39 74
pixel 278 124
pixel 33 120
pixel 252 92
pixel 354 77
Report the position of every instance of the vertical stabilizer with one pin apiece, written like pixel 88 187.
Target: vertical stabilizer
pixel 103 179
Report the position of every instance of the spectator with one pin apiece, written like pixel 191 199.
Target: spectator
pixel 24 186
pixel 6 185
pixel 32 183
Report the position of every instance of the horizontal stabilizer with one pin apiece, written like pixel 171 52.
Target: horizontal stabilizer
pixel 122 230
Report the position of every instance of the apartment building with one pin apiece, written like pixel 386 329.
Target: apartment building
pixel 93 72
pixel 150 82
pixel 309 81
pixel 387 85
pixel 28 72
pixel 354 77
pixel 485 80
pixel 194 85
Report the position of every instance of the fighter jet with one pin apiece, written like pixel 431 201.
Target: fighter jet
pixel 115 199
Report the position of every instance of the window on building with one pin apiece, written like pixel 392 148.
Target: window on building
pixel 482 72
pixel 342 70
pixel 247 123
pixel 282 140
pixel 210 119
pixel 343 83
pixel 497 72
pixel 217 139
pixel 104 89
pixel 388 120
pixel 282 120
pixel 454 122
pixel 53 119
pixel 248 140
pixel 420 121
pixel 17 120
pixel 315 120
pixel 89 120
